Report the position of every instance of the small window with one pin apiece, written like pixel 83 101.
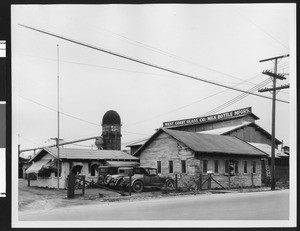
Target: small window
pixel 205 162
pixel 183 166
pixel 245 167
pixel 236 167
pixel 159 166
pixel 170 166
pixel 216 166
pixel 59 169
pixel 254 166
pixel 93 169
pixel 226 166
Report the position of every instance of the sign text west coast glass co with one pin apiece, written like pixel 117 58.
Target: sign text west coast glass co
pixel 205 119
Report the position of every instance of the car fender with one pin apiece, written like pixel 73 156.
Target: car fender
pixel 169 178
pixel 137 179
pixel 118 180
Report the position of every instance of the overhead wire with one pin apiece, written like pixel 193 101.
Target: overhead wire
pixel 144 63
pixel 29 140
pixel 236 99
pixel 100 66
pixel 223 106
pixel 71 116
pixel 261 29
pixel 140 44
pixel 179 108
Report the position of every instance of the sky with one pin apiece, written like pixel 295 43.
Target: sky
pixel 218 43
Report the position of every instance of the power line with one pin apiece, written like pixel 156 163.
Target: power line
pixel 177 109
pixel 143 62
pixel 179 58
pixel 236 99
pixel 164 52
pixel 119 69
pixel 22 137
pixel 263 30
pixel 105 67
pixel 74 117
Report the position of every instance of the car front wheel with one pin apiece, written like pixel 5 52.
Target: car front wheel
pixel 138 186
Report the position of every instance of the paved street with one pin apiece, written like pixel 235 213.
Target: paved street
pixel 270 205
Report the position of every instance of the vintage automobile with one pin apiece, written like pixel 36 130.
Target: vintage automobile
pixel 146 177
pixel 114 180
pixel 104 171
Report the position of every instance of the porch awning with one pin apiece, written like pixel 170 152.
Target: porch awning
pixel 122 163
pixel 51 166
pixel 37 166
pixel 77 164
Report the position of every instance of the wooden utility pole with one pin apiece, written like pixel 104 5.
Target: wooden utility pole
pixel 275 76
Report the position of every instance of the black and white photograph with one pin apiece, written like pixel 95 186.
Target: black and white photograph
pixel 153 115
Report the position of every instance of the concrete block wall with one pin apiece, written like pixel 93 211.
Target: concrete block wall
pixel 240 179
pixel 166 149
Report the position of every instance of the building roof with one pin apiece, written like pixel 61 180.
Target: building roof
pixel 122 163
pixel 226 130
pixel 138 143
pixel 207 143
pixel 87 154
pixel 267 149
pixel 218 131
pixel 111 117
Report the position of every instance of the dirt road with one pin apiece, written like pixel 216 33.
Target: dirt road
pixel 37 198
pixel 34 198
pixel 271 205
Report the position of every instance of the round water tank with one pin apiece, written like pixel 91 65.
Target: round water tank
pixel 111 117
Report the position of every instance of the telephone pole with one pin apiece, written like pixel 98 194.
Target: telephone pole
pixel 275 76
